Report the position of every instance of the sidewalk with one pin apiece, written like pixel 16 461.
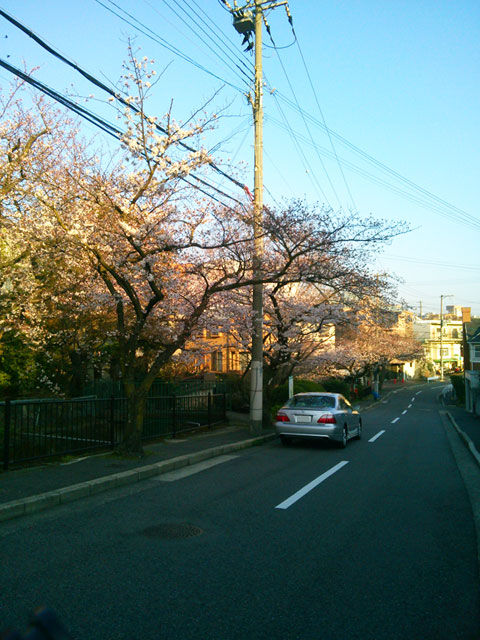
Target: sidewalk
pixel 25 491
pixel 467 426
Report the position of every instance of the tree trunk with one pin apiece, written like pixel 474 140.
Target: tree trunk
pixel 132 439
pixel 381 377
pixel 273 377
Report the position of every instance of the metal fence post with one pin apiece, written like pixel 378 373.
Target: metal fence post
pixel 112 421
pixel 6 435
pixel 209 409
pixel 174 415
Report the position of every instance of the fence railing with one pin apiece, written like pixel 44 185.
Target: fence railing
pixel 104 388
pixel 39 429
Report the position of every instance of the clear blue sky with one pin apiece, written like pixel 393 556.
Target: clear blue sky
pixel 399 82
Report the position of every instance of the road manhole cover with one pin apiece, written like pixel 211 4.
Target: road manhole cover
pixel 171 531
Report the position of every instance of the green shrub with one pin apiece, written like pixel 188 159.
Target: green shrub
pixel 280 395
pixel 337 385
pixel 458 383
pixel 238 391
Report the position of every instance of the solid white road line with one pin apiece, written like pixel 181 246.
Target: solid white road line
pixel 396 420
pixel 380 433
pixel 311 485
pixel 184 472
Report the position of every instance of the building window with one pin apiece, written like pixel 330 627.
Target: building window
pixel 455 334
pixel 475 353
pixel 217 361
pixel 233 361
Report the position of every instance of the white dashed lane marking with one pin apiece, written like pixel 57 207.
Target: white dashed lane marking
pixel 311 485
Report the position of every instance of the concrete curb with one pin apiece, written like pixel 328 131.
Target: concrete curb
pixel 43 501
pixel 466 439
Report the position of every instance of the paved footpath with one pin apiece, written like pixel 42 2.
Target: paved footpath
pixel 467 426
pixel 25 491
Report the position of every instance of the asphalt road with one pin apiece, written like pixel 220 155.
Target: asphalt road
pixel 375 541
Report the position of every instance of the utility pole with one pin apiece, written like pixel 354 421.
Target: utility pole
pixel 256 385
pixel 441 334
pixel 248 20
pixel 421 310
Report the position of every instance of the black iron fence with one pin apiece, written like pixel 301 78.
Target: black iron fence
pixel 38 429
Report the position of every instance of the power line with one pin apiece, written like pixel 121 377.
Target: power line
pixel 228 43
pixel 377 163
pixel 317 102
pixel 199 31
pixel 305 122
pixel 436 263
pixel 105 88
pixel 296 144
pixel 323 120
pixel 149 33
pixel 418 198
pixel 106 127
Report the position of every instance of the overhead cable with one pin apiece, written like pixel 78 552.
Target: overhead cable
pixel 198 33
pixel 107 89
pixel 305 123
pixel 295 139
pixel 107 127
pixel 323 119
pixel 466 217
pixel 146 31
pixel 412 196
pixel 249 66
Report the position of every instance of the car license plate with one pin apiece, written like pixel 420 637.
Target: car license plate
pixel 299 418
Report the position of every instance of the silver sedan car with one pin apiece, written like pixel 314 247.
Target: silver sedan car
pixel 318 415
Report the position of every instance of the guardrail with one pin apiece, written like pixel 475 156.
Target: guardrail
pixel 32 430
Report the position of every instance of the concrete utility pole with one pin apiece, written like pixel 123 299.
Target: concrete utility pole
pixel 441 335
pixel 247 20
pixel 256 385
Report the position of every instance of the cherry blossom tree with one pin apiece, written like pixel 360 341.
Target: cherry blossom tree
pixel 321 290
pixel 32 143
pixel 366 345
pixel 128 241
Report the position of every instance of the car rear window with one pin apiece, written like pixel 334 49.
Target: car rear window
pixel 313 402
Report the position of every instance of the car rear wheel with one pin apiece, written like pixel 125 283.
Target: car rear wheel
pixel 343 441
pixel 359 431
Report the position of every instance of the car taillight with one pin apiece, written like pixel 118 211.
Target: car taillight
pixel 327 418
pixel 281 417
